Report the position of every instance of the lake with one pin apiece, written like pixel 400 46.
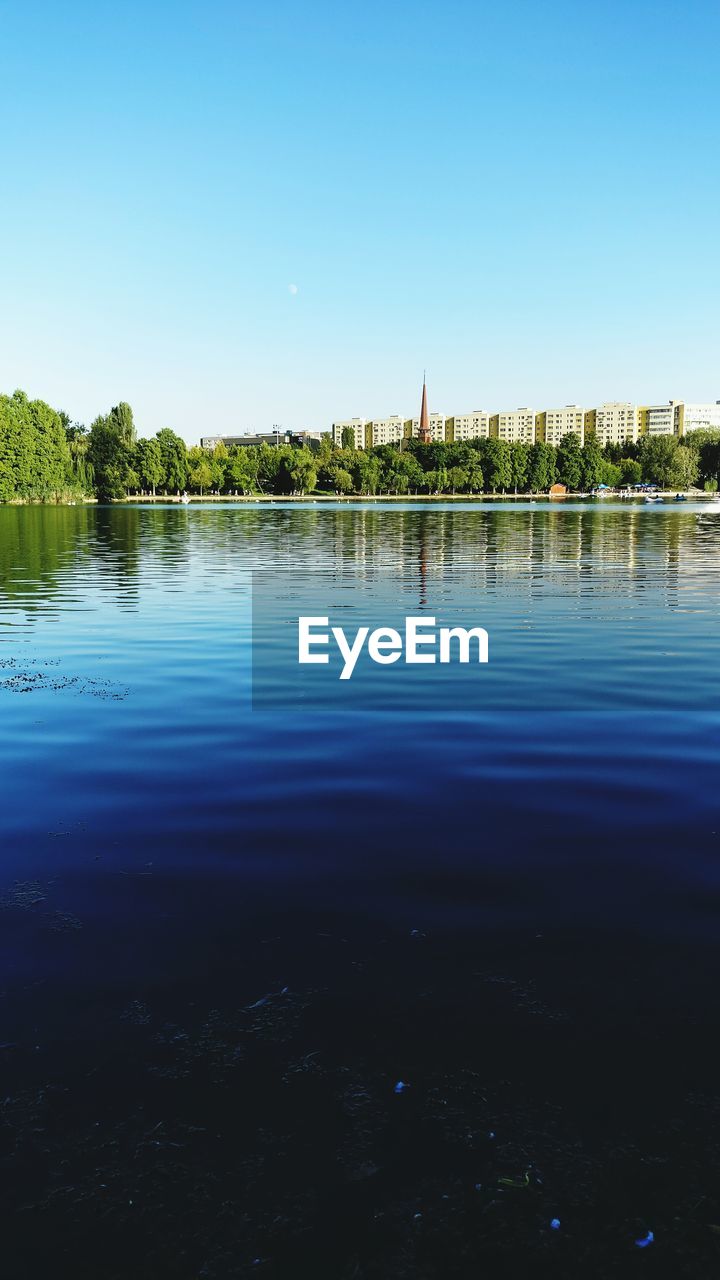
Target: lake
pixel 365 980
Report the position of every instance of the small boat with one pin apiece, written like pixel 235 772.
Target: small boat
pixel 652 498
pixel 681 497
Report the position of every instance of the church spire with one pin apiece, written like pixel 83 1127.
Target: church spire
pixel 424 433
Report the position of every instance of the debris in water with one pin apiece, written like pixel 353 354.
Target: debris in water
pixel 645 1241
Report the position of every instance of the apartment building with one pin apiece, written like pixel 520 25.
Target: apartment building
pixel 468 426
pixel 519 425
pixel 696 417
pixel 657 419
pixel 356 425
pixel 613 422
pixel 436 422
pixel 552 424
pixel 385 430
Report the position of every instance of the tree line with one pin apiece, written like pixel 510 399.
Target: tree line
pixel 46 457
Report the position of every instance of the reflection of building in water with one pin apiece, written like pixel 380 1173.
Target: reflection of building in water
pixel 439 560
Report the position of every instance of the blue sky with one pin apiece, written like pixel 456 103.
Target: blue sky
pixel 525 199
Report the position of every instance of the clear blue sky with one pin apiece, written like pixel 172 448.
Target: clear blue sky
pixel 523 198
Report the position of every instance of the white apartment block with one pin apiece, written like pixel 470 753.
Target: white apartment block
pixel 553 424
pixel 387 430
pixel 471 426
pixel 516 426
pixel 356 425
pixel 436 423
pixel 696 417
pixel 657 419
pixel 615 422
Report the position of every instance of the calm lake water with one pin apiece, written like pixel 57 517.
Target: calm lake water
pixel 232 924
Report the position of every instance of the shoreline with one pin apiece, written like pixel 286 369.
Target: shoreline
pixel 311 498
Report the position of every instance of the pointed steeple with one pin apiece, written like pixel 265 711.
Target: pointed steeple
pixel 424 433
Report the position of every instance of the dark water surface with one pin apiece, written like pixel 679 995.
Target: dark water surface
pixel 227 932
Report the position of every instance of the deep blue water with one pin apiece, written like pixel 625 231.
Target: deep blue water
pixel 228 931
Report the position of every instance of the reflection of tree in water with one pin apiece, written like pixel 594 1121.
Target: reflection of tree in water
pixel 48 554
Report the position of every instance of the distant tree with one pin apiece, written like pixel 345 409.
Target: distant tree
pixel 706 444
pixel 148 463
pixel 569 461
pixel 541 467
pixel 111 452
pixel 302 471
pixel 496 465
pixel 173 452
pixel 457 479
pixel 347 437
pixel 242 468
pixel 474 471
pixel 685 468
pixel 519 465
pixel 611 474
pixel 657 459
pixel 591 462
pixel 630 471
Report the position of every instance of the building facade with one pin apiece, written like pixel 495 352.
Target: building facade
pixel 552 424
pixel 613 422
pixel 515 427
pixel 356 425
pixel 696 417
pixel 468 426
pixel 436 427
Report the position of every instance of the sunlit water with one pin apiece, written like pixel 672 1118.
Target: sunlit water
pixel 507 895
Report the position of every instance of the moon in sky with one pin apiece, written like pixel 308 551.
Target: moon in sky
pixel 292 288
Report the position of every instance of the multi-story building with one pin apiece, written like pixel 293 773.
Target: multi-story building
pixel 254 438
pixel 356 425
pixel 516 426
pixel 436 422
pixel 468 426
pixel 612 423
pixel 696 417
pixel 385 430
pixel 552 424
pixel 657 419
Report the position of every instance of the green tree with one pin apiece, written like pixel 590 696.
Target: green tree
pixel 111 449
pixel 199 469
pixel 347 438
pixel 541 473
pixel 148 463
pixel 496 465
pixel 302 471
pixel 173 452
pixel 519 465
pixel 657 459
pixel 686 467
pixel 591 464
pixel 475 479
pixel 569 461
pixel 630 471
